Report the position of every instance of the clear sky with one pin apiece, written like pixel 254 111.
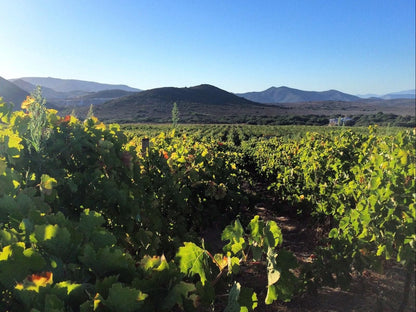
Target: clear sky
pixel 355 46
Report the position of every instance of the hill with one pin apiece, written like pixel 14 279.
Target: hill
pixel 69 85
pixel 12 93
pixel 290 95
pixel 202 94
pixel 94 98
pixel 209 104
pixel 204 103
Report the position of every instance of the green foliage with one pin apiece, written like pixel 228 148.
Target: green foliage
pixel 90 112
pixel 37 130
pixel 175 115
pixel 261 241
pixel 362 184
pixel 193 260
pixel 89 221
pixel 241 299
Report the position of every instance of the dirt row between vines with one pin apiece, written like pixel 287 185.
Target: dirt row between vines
pixel 370 292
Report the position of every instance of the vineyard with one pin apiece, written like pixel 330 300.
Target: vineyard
pixel 189 218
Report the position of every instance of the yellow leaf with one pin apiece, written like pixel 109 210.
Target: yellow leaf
pixel 16 184
pixel 14 142
pixel 42 279
pixel 100 126
pixel 29 101
pixel 46 184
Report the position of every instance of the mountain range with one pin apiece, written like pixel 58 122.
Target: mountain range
pixel 290 95
pixel 407 94
pixel 71 92
pixel 70 85
pixel 203 103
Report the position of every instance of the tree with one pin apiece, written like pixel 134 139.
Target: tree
pixel 175 115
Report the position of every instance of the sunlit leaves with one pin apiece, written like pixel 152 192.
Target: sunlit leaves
pixel 122 298
pixel 234 234
pixel 27 102
pixel 16 262
pixel 34 281
pixel 46 184
pixel 193 260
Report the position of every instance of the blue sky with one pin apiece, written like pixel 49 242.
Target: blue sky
pixel 353 46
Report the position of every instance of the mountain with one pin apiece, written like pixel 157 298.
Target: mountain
pixel 107 94
pixel 12 93
pixel 408 94
pixel 290 95
pixel 203 102
pixel 69 85
pixel 46 92
pixel 209 104
pixel 63 92
pixel 94 98
pixel 202 94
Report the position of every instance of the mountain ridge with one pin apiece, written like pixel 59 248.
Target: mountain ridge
pixel 285 94
pixel 209 104
pixel 405 94
pixel 69 85
pixel 12 93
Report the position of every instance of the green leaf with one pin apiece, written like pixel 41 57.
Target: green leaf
pixel 234 234
pixel 282 283
pixel 233 305
pixel 247 299
pixel 16 262
pixel 193 260
pixel 55 239
pixel 102 286
pixel 256 230
pixel 333 233
pixel 124 299
pixel 241 299
pixel 233 264
pixel 273 235
pixel 3 166
pixel 273 273
pixel 90 219
pixel 271 294
pixel 177 295
pixel 53 303
pixel 106 260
